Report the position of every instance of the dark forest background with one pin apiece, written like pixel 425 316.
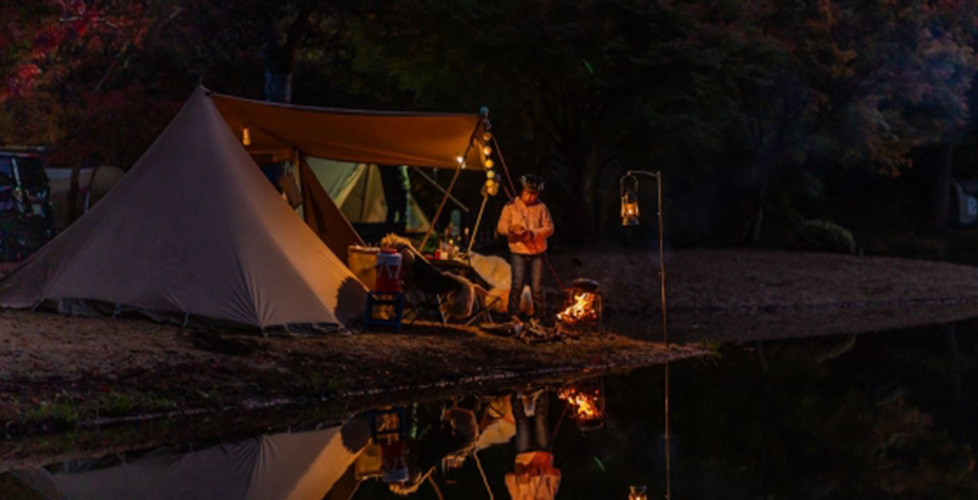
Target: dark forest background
pixel 762 114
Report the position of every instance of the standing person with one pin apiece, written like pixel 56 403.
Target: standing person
pixel 396 184
pixel 526 224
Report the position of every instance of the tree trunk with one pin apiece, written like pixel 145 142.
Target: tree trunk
pixel 279 57
pixel 940 199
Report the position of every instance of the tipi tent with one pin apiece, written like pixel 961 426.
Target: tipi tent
pixel 287 466
pixel 193 230
pixel 357 190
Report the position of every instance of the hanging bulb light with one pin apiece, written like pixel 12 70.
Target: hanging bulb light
pixel 246 137
pixel 629 202
pixel 487 150
pixel 489 164
pixel 486 136
pixel 490 174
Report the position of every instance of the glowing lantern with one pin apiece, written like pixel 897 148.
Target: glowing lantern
pixel 487 151
pixel 637 493
pixel 489 164
pixel 486 137
pixel 490 174
pixel 246 137
pixel 629 202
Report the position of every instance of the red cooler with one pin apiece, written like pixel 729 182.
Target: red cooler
pixel 388 271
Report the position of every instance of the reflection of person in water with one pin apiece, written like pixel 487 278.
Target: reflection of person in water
pixel 452 439
pixel 534 476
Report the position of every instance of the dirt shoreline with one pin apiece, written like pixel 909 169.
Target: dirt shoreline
pixel 59 374
pixel 747 295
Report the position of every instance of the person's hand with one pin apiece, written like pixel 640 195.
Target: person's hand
pixel 517 229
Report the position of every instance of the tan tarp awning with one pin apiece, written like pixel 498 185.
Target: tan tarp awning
pixel 385 138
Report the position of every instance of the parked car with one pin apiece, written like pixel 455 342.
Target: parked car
pixel 26 222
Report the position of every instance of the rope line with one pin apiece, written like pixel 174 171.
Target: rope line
pixel 482 473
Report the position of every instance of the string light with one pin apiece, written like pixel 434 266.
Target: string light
pixel 489 164
pixel 487 150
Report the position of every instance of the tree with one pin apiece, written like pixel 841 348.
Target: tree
pixel 861 83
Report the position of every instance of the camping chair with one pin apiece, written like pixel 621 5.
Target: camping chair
pixel 430 289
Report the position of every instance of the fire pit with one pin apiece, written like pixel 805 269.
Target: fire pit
pixel 582 307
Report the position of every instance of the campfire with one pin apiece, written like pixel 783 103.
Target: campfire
pixel 585 400
pixel 582 308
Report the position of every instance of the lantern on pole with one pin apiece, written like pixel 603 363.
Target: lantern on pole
pixel 629 200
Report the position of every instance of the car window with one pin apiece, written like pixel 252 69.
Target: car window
pixel 6 170
pixel 32 175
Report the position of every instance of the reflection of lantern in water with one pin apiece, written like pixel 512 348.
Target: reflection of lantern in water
pixel 637 493
pixel 583 305
pixel 585 400
pixel 388 428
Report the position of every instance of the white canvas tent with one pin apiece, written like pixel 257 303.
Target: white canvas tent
pixel 357 190
pixel 194 230
pixel 288 466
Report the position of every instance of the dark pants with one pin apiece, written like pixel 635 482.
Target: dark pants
pixel 532 433
pixel 395 192
pixel 519 263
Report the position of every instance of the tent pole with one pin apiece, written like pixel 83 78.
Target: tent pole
pixel 478 222
pixel 441 207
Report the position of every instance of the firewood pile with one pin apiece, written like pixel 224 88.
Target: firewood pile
pixel 529 332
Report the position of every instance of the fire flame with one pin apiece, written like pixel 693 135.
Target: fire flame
pixel 581 310
pixel 585 405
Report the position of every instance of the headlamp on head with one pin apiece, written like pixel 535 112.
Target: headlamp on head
pixel 532 183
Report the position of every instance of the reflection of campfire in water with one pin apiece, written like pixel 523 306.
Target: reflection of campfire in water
pixel 584 405
pixel 585 400
pixel 582 308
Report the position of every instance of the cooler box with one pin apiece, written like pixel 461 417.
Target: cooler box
pixel 388 271
pixel 363 263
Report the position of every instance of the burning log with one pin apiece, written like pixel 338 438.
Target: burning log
pixel 582 308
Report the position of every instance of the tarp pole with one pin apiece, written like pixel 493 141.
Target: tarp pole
pixel 441 207
pixel 451 185
pixel 478 222
pixel 438 186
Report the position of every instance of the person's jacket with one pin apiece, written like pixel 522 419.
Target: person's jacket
pixel 535 218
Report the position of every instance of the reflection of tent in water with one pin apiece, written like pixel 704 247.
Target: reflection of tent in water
pixel 290 466
pixel 358 191
pixel 195 232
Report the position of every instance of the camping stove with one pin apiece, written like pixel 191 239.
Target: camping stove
pixel 582 307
